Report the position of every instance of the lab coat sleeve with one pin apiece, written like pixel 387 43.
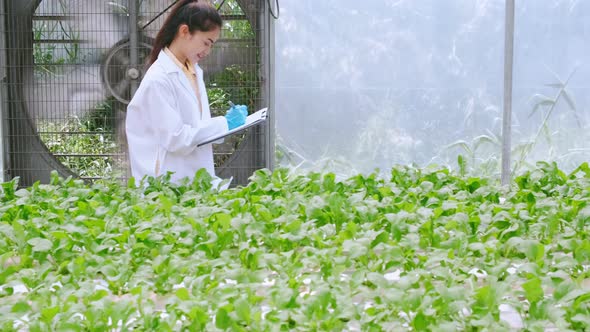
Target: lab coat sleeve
pixel 175 135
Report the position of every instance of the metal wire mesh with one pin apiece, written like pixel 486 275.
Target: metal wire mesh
pixel 66 84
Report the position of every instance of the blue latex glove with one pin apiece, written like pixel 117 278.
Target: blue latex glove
pixel 236 116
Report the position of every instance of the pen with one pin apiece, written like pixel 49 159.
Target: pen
pixel 231 103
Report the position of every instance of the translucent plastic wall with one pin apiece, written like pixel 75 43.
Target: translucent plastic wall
pixel 551 117
pixel 369 84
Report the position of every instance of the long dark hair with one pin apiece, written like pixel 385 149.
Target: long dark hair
pixel 198 16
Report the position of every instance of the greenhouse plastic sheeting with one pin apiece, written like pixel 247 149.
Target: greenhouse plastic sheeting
pixel 366 85
pixel 551 112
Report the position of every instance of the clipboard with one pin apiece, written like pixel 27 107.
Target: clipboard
pixel 252 120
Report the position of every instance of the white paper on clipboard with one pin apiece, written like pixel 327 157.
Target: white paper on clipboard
pixel 252 120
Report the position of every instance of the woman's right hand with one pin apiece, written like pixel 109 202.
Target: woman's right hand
pixel 236 116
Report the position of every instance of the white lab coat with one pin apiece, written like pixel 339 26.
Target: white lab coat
pixel 164 125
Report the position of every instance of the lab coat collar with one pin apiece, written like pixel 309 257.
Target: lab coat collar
pixel 170 66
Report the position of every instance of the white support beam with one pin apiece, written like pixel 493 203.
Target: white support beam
pixel 508 81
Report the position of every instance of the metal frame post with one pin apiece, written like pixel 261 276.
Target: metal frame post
pixel 508 82
pixel 270 75
pixel 3 76
pixel 133 44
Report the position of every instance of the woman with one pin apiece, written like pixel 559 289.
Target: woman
pixel 169 114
